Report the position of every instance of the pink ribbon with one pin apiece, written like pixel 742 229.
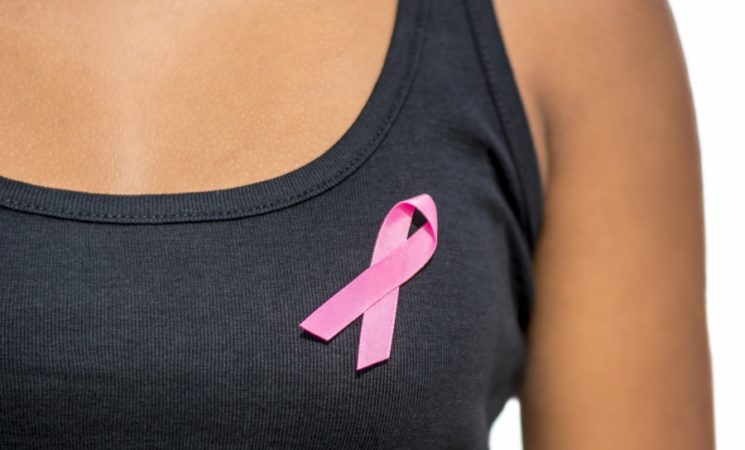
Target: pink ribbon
pixel 374 292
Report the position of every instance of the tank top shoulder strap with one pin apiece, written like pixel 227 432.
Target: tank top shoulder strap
pixel 478 23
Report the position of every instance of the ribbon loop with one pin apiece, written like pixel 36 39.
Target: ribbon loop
pixel 374 292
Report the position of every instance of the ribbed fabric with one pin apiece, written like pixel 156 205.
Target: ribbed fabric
pixel 171 320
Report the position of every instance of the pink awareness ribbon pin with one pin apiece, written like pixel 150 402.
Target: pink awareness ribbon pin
pixel 374 292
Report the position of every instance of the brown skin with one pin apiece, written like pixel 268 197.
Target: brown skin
pixel 618 353
pixel 170 96
pixel 618 349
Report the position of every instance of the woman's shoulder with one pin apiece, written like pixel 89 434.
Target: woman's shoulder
pixel 568 55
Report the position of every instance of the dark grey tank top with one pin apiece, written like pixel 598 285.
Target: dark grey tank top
pixel 171 320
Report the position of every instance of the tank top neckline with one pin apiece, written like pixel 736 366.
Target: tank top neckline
pixel 347 154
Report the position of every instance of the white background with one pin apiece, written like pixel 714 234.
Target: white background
pixel 713 35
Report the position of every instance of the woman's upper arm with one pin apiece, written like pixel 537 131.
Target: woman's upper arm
pixel 618 353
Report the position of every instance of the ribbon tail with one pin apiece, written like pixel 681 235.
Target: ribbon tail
pixel 376 334
pixel 349 303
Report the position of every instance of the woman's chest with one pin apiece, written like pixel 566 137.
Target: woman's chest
pixel 176 333
pixel 164 98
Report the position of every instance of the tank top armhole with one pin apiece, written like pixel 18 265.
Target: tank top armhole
pixel 509 105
